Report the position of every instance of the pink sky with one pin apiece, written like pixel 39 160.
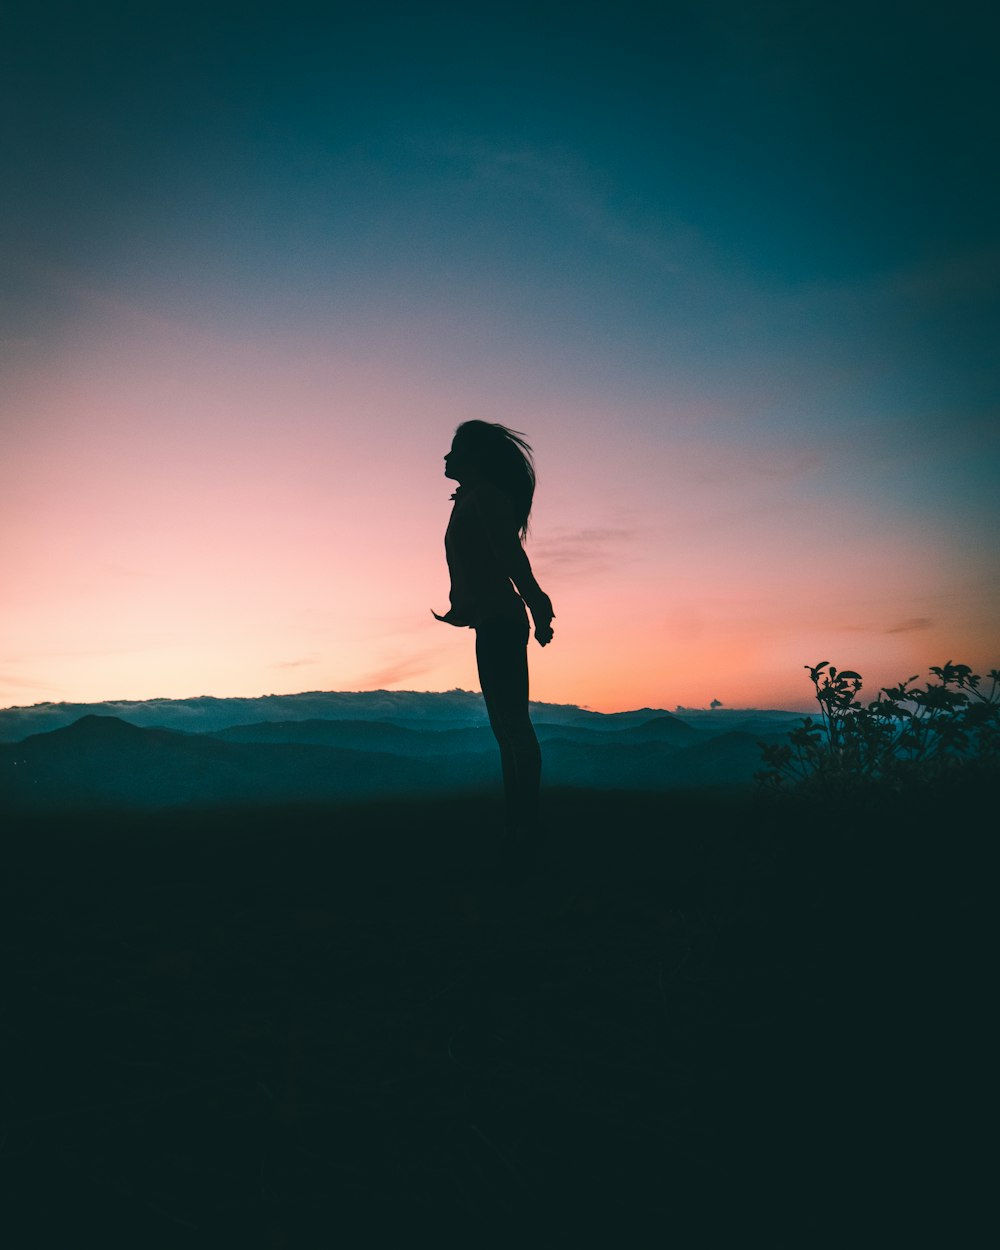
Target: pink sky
pixel 732 272
pixel 187 511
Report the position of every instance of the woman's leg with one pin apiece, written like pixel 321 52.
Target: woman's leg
pixel 501 653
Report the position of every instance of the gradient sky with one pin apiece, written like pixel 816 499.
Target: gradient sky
pixel 733 269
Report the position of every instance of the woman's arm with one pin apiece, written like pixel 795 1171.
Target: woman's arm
pixel 500 524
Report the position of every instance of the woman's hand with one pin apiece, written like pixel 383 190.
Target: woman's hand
pixel 542 615
pixel 451 618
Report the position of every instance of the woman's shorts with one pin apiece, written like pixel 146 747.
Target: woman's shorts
pixel 511 627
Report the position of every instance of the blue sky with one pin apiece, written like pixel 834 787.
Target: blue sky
pixel 732 268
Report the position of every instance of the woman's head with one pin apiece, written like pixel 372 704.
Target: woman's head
pixel 491 451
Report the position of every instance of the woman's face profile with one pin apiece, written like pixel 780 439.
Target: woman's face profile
pixel 458 461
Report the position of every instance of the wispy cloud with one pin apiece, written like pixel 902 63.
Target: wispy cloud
pixel 395 671
pixel 959 277
pixel 564 183
pixel 581 551
pixel 300 663
pixel 23 683
pixel 93 298
pixel 911 625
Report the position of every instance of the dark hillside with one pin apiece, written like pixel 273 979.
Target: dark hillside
pixel 290 1025
pixel 101 760
pixel 106 761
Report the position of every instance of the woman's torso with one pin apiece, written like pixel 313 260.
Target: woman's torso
pixel 481 590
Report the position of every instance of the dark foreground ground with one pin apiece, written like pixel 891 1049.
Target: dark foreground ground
pixel 699 1022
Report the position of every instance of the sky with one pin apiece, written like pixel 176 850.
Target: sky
pixel 732 269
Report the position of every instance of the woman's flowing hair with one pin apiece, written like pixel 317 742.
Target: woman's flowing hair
pixel 505 460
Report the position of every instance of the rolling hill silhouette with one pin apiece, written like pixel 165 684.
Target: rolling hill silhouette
pixel 413 709
pixel 105 760
pixel 411 740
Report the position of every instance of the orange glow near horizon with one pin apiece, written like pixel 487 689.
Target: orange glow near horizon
pixel 736 288
pixel 188 516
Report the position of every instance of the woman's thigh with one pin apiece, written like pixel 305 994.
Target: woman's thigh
pixel 502 657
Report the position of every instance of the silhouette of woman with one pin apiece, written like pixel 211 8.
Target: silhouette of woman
pixel 483 544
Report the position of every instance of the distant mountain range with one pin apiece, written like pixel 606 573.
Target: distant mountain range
pixel 328 746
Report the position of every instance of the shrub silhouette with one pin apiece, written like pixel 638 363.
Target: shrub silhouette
pixel 908 735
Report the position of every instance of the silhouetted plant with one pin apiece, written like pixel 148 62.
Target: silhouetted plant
pixel 908 734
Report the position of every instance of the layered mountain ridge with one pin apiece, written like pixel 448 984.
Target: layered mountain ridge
pixel 104 760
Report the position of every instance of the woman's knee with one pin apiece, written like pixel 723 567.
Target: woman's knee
pixel 517 734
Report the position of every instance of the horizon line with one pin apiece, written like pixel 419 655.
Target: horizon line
pixel 678 709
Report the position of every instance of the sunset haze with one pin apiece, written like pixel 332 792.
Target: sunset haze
pixel 732 271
